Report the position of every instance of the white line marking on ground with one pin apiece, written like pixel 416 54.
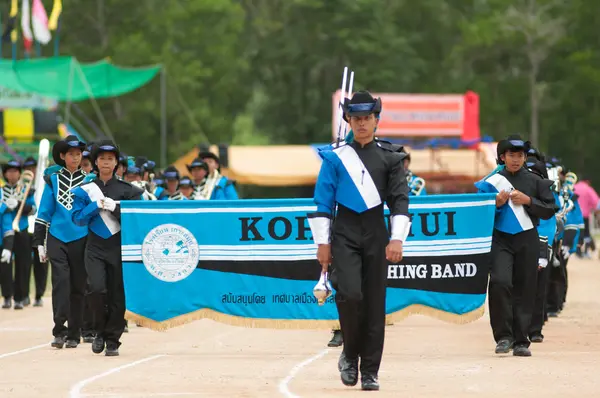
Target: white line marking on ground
pixel 35 347
pixel 283 385
pixel 144 395
pixel 76 389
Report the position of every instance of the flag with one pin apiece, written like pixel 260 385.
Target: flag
pixel 253 262
pixel 25 25
pixel 10 33
pixel 39 20
pixel 55 14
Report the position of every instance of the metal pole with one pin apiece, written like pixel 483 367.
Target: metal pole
pixel 163 117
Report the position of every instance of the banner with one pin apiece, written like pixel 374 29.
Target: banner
pixel 253 262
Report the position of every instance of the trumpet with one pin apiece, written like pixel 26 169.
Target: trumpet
pixel 23 188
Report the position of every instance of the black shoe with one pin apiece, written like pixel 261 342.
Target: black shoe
pixel 18 305
pixel 537 338
pixel 552 314
pixel 7 303
pixel 38 303
pixel 98 345
pixel 336 340
pixel 26 302
pixel 88 339
pixel 58 342
pixel 348 370
pixel 71 343
pixel 112 349
pixel 503 346
pixel 126 329
pixel 369 382
pixel 521 351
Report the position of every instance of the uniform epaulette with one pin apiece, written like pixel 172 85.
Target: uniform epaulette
pixel 388 146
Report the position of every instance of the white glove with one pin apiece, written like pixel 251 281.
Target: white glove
pixel 565 251
pixel 109 204
pixel 6 255
pixel 542 262
pixel 42 254
pixel 11 203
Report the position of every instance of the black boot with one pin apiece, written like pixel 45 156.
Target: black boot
pixel 336 340
pixel 521 351
pixel 536 338
pixel 348 370
pixel 71 343
pixel 369 382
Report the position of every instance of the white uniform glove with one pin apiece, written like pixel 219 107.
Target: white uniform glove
pixel 42 254
pixel 6 255
pixel 109 204
pixel 565 251
pixel 11 203
pixel 542 262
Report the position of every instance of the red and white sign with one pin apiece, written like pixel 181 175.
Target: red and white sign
pixel 424 115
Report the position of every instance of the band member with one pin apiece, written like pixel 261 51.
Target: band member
pixel 522 198
pixel 96 207
pixel 12 196
pixel 122 168
pixel 546 231
pixel 40 270
pixel 217 186
pixel 416 185
pixel 171 192
pixel 6 245
pixel 134 175
pixel 65 242
pixel 186 187
pixel 199 170
pixel 358 177
pixel 86 161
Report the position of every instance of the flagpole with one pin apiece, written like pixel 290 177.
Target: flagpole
pixel 163 117
pixel 1 39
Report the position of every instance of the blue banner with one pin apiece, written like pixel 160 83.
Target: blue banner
pixel 253 262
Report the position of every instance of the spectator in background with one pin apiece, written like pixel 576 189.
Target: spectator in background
pixel 589 202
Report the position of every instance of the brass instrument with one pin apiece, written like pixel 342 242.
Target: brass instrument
pixel 322 289
pixel 42 164
pixel 23 188
pixel 211 182
pixel 151 183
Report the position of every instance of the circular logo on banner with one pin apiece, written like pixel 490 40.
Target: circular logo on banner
pixel 170 252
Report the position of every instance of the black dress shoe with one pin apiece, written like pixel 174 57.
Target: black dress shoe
pixel 369 382
pixel 112 349
pixel 348 370
pixel 521 351
pixel 503 346
pixel 38 303
pixel 7 303
pixel 336 340
pixel 72 343
pixel 18 305
pixel 27 301
pixel 537 338
pixel 98 345
pixel 88 339
pixel 58 342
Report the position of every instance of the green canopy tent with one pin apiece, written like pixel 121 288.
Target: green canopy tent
pixel 65 79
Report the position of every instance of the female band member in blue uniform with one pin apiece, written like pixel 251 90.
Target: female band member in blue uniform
pixel 65 242
pixel 523 197
pixel 358 177
pixel 95 207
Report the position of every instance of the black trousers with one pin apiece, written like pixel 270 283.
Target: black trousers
pixel 6 278
pixel 106 290
pixel 87 328
pixel 557 284
pixel 68 285
pixel 23 259
pixel 539 310
pixel 513 283
pixel 359 277
pixel 40 274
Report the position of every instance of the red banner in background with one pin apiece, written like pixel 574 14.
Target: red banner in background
pixel 424 115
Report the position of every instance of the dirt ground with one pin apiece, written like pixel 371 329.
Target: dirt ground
pixel 423 357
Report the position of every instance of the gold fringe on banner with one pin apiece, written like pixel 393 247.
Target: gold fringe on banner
pixel 415 309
